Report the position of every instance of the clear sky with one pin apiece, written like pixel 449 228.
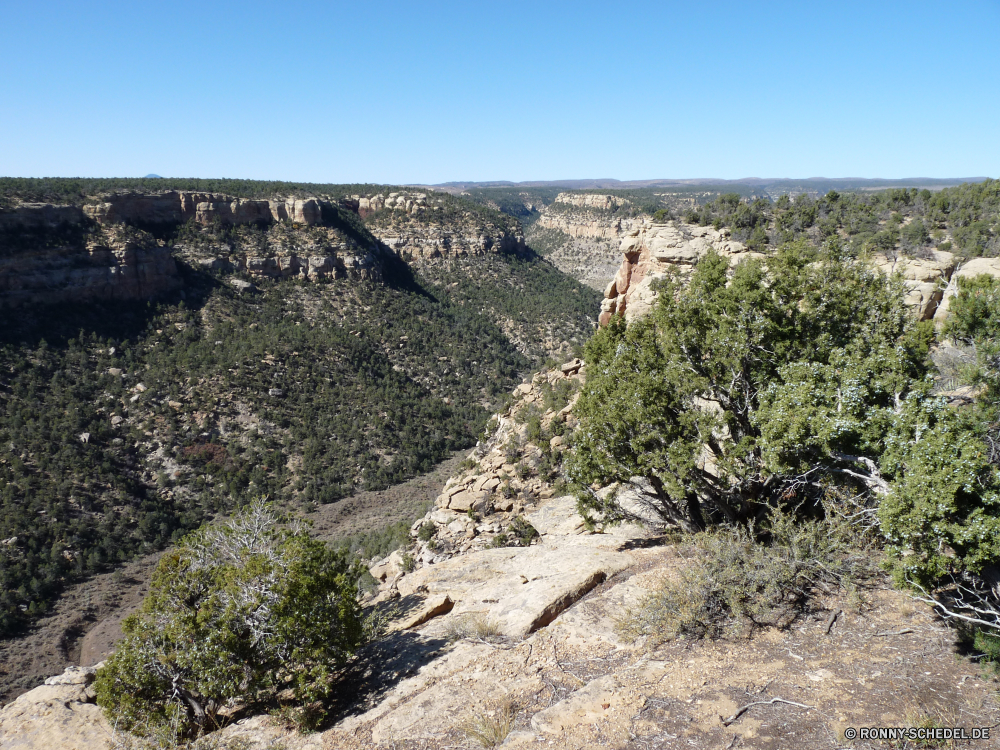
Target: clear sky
pixel 426 92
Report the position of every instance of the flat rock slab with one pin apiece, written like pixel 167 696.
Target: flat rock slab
pixel 594 623
pixel 457 660
pixel 522 589
pixel 54 717
pixel 597 700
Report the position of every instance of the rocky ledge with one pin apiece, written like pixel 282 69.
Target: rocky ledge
pixel 653 251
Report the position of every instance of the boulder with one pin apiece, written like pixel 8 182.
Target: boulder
pixel 466 500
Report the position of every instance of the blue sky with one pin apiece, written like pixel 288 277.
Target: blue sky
pixel 407 92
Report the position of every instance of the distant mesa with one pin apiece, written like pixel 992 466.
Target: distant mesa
pixel 153 176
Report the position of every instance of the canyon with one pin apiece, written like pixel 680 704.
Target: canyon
pixel 106 249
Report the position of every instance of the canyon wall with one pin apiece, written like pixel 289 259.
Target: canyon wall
pixel 418 227
pixel 112 265
pixel 179 206
pixel 580 234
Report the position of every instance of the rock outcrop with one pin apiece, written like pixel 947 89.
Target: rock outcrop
pixel 179 206
pixel 592 200
pixel 407 203
pixel 312 267
pixel 654 251
pixel 925 279
pixel 430 241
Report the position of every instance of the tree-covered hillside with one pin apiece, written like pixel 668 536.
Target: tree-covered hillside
pixel 126 424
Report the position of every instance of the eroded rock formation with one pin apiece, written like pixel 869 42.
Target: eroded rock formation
pixel 179 206
pixel 654 251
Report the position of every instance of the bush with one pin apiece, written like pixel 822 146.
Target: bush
pixel 740 580
pixel 785 376
pixel 236 614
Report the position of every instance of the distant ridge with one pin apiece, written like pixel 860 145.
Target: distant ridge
pixel 153 176
pixel 770 185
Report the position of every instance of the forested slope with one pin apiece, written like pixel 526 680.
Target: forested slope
pixel 125 424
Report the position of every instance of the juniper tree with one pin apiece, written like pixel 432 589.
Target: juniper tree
pixel 236 614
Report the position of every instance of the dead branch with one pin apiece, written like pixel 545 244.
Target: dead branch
pixel 830 620
pixel 748 706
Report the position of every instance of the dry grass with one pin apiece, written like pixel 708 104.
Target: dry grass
pixel 736 583
pixel 476 626
pixel 489 728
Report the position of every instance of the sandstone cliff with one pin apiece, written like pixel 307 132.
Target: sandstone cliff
pixel 117 263
pixel 177 207
pixel 654 251
pixel 421 228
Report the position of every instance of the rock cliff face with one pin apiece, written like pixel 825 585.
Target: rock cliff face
pixel 311 267
pixel 592 200
pixel 421 228
pixel 653 251
pixel 177 207
pixel 118 263
pixel 429 242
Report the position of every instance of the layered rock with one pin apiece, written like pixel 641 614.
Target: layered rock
pixel 592 200
pixel 429 241
pixel 179 206
pixel 117 264
pixel 408 203
pixel 312 267
pixel 655 251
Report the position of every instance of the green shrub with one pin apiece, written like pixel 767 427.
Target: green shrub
pixel 426 531
pixel 237 614
pixel 524 533
pixel 974 313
